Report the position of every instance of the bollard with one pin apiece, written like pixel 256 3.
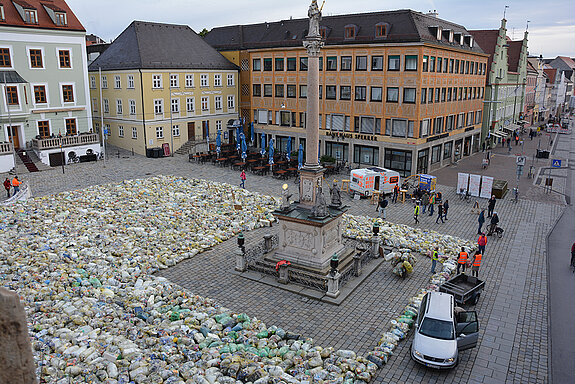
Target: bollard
pixel 241 264
pixel 283 270
pixel 268 242
pixel 357 264
pixel 374 246
pixel 333 284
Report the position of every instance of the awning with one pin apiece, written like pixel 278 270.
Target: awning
pixel 508 130
pixel 234 123
pixel 498 134
pixel 12 77
pixel 522 122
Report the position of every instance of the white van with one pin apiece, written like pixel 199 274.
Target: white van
pixel 366 180
pixel 441 331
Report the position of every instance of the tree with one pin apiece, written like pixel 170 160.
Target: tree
pixel 204 32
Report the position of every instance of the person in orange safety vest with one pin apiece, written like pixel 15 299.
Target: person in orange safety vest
pixel 462 260
pixel 476 264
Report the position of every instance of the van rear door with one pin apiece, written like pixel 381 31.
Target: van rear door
pixel 467 330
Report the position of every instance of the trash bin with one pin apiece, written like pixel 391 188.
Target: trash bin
pixel 158 152
pixel 542 154
pixel 149 152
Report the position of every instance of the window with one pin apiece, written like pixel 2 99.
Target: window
pixel 132 107
pixel 349 32
pixel 218 125
pixel 365 155
pixel 345 92
pixel 134 132
pixel 445 64
pixel 30 16
pixel 156 81
pixel 60 18
pixel 205 103
pixel 203 80
pixel 268 64
pixel 411 62
pixel 361 63
pixel 44 129
pixel 106 106
pixel 291 64
pixel 423 95
pixel 303 63
pixel 159 132
pixel 424 63
pixel 232 102
pixel 409 95
pixel 443 95
pixel 279 63
pixel 268 90
pixel 36 58
pixel 438 125
pixel 175 81
pixel 437 94
pixel 189 80
pixel 104 82
pixel 376 94
pixel 217 80
pixel 399 161
pixel 218 103
pixel 380 30
pixel 435 154
pixel 392 94
pixel 64 56
pixel 451 63
pixel 5 58
pixel 346 63
pixel 130 81
pixel 279 90
pixel 190 104
pixel 331 63
pixel 447 150
pixel 456 65
pixel 68 93
pixel 175 106
pixel 360 93
pixel 40 94
pixel 120 131
pixel 257 90
pixel 330 92
pixel 393 63
pixel 291 91
pixel 119 107
pixel 158 106
pixel 430 96
pixel 231 80
pixel 439 62
pixel 432 64
pixel 397 127
pixel 320 91
pixel 303 91
pixel 377 63
pixel 71 127
pixel 450 122
pixel 256 65
pixel 449 94
pixel 424 127
pixel 175 130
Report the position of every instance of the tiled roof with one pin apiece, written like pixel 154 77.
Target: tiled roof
pixel 14 18
pixel 403 26
pixel 551 73
pixel 12 77
pixel 563 63
pixel 513 55
pixel 487 40
pixel 145 45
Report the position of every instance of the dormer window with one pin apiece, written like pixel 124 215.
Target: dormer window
pixel 30 16
pixel 2 18
pixel 458 37
pixel 324 32
pixel 437 31
pixel 448 33
pixel 381 30
pixel 350 31
pixel 469 40
pixel 61 18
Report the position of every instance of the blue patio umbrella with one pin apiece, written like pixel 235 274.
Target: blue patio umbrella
pixel 252 132
pixel 263 151
pixel 219 142
pixel 238 139
pixel 271 150
pixel 288 150
pixel 300 157
pixel 244 148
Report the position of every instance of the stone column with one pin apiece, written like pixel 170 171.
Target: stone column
pixel 284 273
pixel 313 45
pixel 17 361
pixel 241 264
pixel 333 284
pixel 268 242
pixel 375 246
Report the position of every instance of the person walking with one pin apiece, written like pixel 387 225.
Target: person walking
pixel 16 184
pixel 416 212
pixel 476 263
pixel 395 193
pixel 434 259
pixel 7 186
pixel 425 201
pixel 439 213
pixel 445 208
pixel 482 242
pixel 491 206
pixel 481 220
pixel 431 202
pixel 493 224
pixel 462 260
pixel 243 179
pixel 381 205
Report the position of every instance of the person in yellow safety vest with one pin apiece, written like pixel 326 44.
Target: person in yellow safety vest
pixel 434 259
pixel 416 212
pixel 462 260
pixel 476 264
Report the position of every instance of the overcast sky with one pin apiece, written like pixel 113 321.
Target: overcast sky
pixel 551 23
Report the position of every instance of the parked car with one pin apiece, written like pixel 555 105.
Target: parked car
pixel 442 331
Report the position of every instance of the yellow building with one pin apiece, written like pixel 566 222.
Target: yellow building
pixel 157 76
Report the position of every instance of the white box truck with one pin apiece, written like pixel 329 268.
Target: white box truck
pixel 365 181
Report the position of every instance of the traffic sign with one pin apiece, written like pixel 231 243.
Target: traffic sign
pixel 556 163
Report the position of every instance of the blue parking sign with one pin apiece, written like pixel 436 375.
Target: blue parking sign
pixel 556 163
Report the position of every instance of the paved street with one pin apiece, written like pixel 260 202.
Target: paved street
pixel 513 308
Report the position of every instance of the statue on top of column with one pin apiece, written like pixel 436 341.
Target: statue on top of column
pixel 314 14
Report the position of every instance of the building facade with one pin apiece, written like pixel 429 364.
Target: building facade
pixel 161 85
pixel 506 82
pixel 44 79
pixel 401 89
pixel 562 69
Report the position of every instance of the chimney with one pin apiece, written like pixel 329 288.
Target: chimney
pixel 433 14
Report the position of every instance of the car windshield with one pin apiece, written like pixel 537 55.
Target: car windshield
pixel 438 329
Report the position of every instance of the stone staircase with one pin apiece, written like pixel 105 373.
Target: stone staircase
pixel 185 149
pixel 28 161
